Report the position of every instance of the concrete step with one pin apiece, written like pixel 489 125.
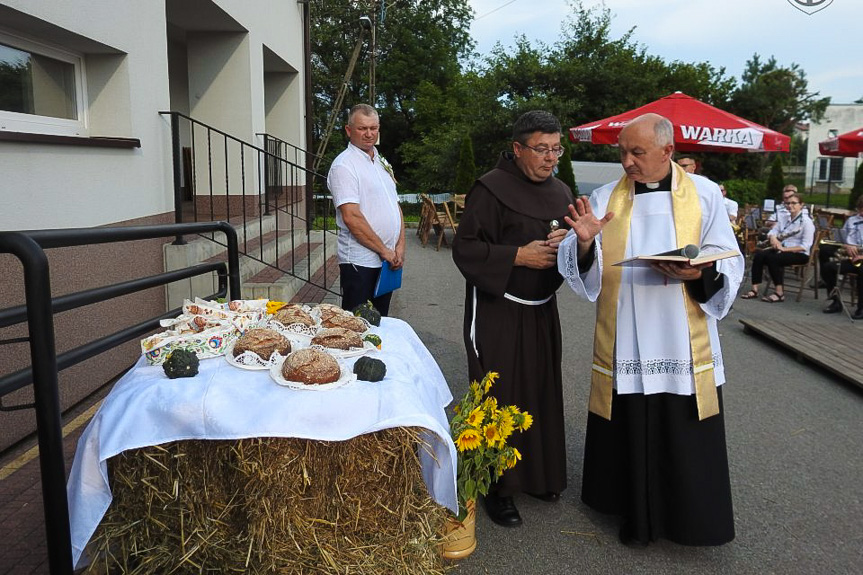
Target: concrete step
pixel 263 241
pixel 306 260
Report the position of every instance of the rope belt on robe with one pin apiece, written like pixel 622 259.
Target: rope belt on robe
pixel 507 296
pixel 687 225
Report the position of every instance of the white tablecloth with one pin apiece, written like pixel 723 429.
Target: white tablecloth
pixel 223 402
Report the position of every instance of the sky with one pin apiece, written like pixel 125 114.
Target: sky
pixel 725 33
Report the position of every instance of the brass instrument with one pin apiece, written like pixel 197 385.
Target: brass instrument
pixel 781 237
pixel 841 253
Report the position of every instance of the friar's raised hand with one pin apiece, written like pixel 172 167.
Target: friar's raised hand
pixel 583 221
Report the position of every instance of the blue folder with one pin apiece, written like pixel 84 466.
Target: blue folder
pixel 389 280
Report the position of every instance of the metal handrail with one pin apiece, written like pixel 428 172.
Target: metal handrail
pixel 271 166
pixel 29 247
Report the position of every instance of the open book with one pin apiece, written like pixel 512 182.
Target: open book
pixel 706 259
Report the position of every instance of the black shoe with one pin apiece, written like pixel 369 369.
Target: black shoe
pixel 502 510
pixel 858 314
pixel 628 538
pixel 548 496
pixel 834 307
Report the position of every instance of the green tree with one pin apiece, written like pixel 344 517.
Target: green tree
pixel 776 96
pixel 776 180
pixel 466 170
pixel 564 167
pixel 416 43
pixel 857 189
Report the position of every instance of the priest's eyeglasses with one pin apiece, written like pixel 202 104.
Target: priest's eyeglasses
pixel 557 152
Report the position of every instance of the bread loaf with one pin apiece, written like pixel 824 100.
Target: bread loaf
pixel 293 314
pixel 350 322
pixel 262 341
pixel 311 366
pixel 337 338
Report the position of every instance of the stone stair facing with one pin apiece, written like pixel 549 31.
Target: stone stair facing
pixel 259 280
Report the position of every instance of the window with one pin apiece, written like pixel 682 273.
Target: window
pixel 830 169
pixel 41 88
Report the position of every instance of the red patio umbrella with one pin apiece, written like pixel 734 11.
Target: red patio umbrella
pixel 849 144
pixel 698 127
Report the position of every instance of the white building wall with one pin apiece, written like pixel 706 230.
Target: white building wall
pixel 61 186
pixel 842 118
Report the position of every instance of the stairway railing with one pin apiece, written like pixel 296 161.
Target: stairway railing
pixel 219 176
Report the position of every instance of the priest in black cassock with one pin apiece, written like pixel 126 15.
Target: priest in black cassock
pixel 506 248
pixel 655 445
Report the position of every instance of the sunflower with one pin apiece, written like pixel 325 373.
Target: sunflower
pixel 468 439
pixel 489 380
pixel 475 418
pixel 505 423
pixel 491 434
pixel 526 421
pixel 274 306
pixel 514 458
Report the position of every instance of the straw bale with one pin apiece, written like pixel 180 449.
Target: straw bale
pixel 271 505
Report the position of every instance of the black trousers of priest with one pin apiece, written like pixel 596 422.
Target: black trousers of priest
pixel 660 468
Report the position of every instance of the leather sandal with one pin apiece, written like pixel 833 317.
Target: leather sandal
pixel 751 294
pixel 774 298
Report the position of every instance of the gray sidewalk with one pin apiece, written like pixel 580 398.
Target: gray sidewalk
pixel 794 444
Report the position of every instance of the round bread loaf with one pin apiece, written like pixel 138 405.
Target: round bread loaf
pixel 328 310
pixel 262 341
pixel 350 322
pixel 293 314
pixel 337 338
pixel 311 366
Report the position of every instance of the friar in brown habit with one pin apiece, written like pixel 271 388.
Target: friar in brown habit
pixel 506 248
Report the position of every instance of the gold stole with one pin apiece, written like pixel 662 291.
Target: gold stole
pixel 687 225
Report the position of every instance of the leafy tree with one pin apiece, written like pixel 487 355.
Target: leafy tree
pixel 416 43
pixel 564 167
pixel 466 170
pixel 746 191
pixel 856 190
pixel 776 96
pixel 776 180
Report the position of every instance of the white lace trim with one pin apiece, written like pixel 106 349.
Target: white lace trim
pixel 659 366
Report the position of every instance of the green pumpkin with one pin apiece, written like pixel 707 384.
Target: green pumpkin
pixel 373 339
pixel 181 363
pixel 370 369
pixel 368 312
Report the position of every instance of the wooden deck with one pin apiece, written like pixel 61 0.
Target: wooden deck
pixel 836 348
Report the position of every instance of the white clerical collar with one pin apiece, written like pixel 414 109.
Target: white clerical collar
pixel 652 185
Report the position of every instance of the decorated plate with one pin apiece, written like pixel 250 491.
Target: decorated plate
pixel 251 360
pixel 345 377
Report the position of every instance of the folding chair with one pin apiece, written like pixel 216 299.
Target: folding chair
pixel 434 220
pixel 449 219
pixel 802 270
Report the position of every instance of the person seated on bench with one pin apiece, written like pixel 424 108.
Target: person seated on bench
pixel 790 242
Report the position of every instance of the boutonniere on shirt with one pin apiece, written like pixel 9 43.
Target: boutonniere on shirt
pixel 388 168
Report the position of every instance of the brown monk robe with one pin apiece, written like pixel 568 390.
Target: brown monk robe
pixel 519 340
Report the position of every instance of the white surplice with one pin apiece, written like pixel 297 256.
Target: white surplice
pixel 652 349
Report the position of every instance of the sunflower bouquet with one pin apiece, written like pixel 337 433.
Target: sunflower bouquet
pixel 480 429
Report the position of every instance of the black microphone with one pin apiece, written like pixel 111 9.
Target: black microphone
pixel 689 251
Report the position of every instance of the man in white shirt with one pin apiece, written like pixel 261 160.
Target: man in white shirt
pixel 851 263
pixel 655 445
pixel 370 221
pixel 730 205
